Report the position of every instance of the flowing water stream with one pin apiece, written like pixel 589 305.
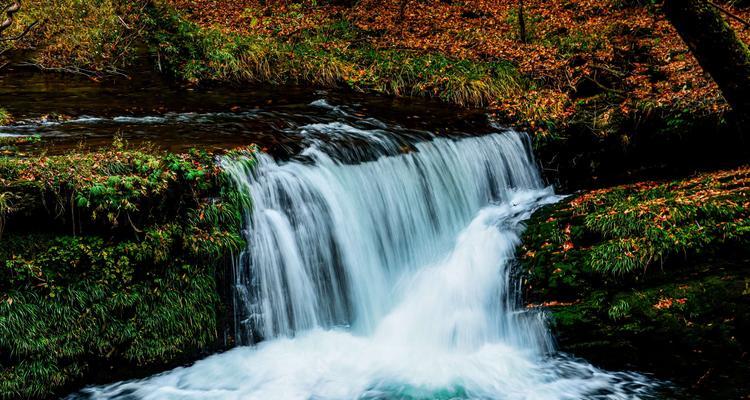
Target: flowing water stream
pixel 381 243
pixel 387 278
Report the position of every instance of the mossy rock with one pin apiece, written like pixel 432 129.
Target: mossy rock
pixel 112 264
pixel 652 276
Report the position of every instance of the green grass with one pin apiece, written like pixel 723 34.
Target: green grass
pixel 326 56
pixel 575 43
pixel 618 235
pixel 71 303
pixel 5 117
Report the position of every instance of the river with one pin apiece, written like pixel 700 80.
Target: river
pixel 381 243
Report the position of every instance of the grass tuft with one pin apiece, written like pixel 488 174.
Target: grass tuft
pixel 5 117
pixel 326 56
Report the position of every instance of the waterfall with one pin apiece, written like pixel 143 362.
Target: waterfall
pixel 388 279
pixel 327 242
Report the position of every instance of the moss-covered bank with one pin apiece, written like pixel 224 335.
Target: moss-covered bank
pixel 654 276
pixel 112 263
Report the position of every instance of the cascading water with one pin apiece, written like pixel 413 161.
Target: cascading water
pixel 327 242
pixel 388 279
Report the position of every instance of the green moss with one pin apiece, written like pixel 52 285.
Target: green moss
pixel 650 275
pixel 615 236
pixel 109 263
pixel 682 329
pixel 5 117
pixel 78 302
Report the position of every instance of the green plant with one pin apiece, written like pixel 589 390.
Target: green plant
pixel 122 271
pixel 5 117
pixel 326 56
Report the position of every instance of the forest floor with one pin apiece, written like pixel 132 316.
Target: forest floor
pixel 596 60
pixel 607 89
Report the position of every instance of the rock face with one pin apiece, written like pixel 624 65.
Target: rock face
pixel 651 276
pixel 112 266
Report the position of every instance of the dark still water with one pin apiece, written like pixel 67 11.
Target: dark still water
pixel 67 110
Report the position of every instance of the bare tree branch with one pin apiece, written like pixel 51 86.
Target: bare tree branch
pixel 9 11
pixel 729 14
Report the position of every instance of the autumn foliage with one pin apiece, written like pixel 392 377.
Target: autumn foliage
pixel 596 60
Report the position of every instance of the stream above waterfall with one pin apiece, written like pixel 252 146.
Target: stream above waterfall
pixel 69 112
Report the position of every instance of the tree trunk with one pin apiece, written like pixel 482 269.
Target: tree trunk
pixel 402 10
pixel 521 23
pixel 718 50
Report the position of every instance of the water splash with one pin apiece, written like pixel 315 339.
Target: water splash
pixel 388 279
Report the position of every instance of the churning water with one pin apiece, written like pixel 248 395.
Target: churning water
pixel 387 279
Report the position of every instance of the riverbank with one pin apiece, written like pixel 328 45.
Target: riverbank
pixel 115 264
pixel 653 276
pixel 577 56
pixel 608 90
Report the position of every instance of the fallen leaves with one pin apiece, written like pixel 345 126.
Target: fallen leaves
pixel 630 51
pixel 553 303
pixel 667 302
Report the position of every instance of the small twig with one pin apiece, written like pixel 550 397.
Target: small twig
pixel 703 377
pixel 132 224
pixel 521 23
pixel 124 23
pixel 606 68
pixel 595 82
pixel 73 213
pixel 729 14
pixel 71 70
